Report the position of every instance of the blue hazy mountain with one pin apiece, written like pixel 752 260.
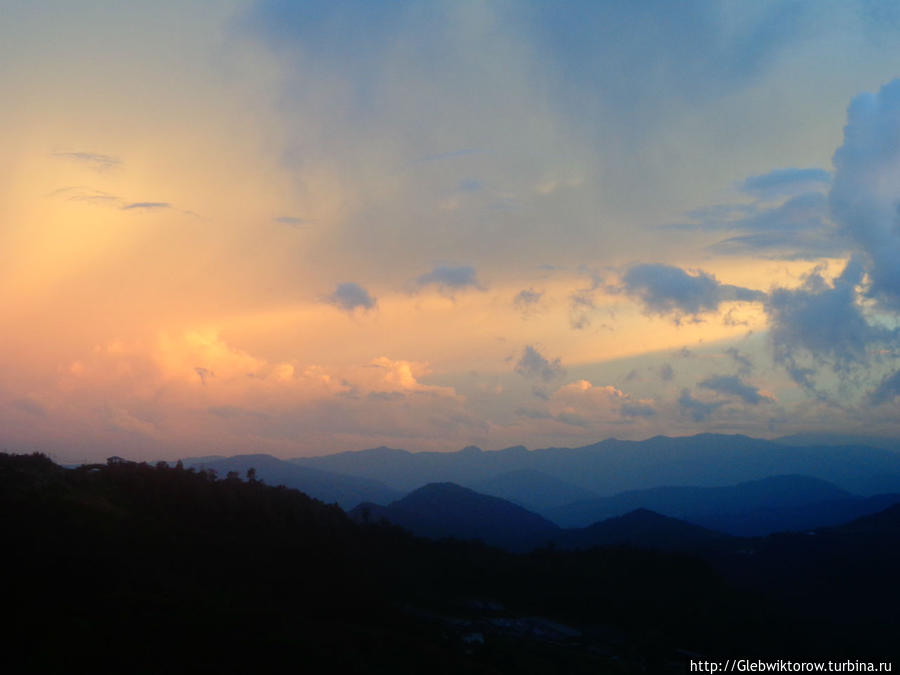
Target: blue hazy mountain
pixel 535 490
pixel 800 518
pixel 643 528
pixel 447 510
pixel 824 438
pixel 749 509
pixel 327 486
pixel 693 502
pixel 613 466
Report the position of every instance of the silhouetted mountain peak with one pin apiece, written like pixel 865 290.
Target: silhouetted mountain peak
pixel 446 509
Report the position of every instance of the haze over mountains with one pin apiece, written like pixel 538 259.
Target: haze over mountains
pixel 514 497
pixel 332 488
pixel 613 466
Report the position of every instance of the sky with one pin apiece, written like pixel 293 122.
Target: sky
pixel 306 227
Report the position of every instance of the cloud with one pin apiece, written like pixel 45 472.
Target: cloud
pixel 349 296
pixel 666 373
pixel 581 403
pixel 533 365
pixel 887 391
pixel 527 299
pixel 398 376
pixel 698 410
pixel 745 365
pixel 637 410
pixel 865 194
pixel 146 206
pixel 732 385
pixel 449 278
pixel 664 289
pixel 797 228
pixel 120 419
pixel 30 406
pixel 786 182
pixel 533 414
pixel 233 412
pixel 292 221
pixel 93 160
pixel 822 323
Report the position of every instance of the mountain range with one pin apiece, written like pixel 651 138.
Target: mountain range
pixel 613 466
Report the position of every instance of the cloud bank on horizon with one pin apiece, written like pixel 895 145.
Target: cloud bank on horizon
pixel 507 223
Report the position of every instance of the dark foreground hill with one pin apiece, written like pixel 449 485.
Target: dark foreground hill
pixel 139 569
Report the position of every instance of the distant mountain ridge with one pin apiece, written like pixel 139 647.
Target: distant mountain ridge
pixel 535 490
pixel 696 502
pixel 612 466
pixel 329 487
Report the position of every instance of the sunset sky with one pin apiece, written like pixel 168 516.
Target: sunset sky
pixel 305 227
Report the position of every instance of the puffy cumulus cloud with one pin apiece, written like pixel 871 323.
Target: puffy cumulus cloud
pixel 392 376
pixel 732 385
pixel 822 323
pixel 664 289
pixel 350 296
pixel 449 279
pixel 866 191
pixel 156 393
pixel 780 182
pixel 533 364
pixel 581 403
pixel 698 410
